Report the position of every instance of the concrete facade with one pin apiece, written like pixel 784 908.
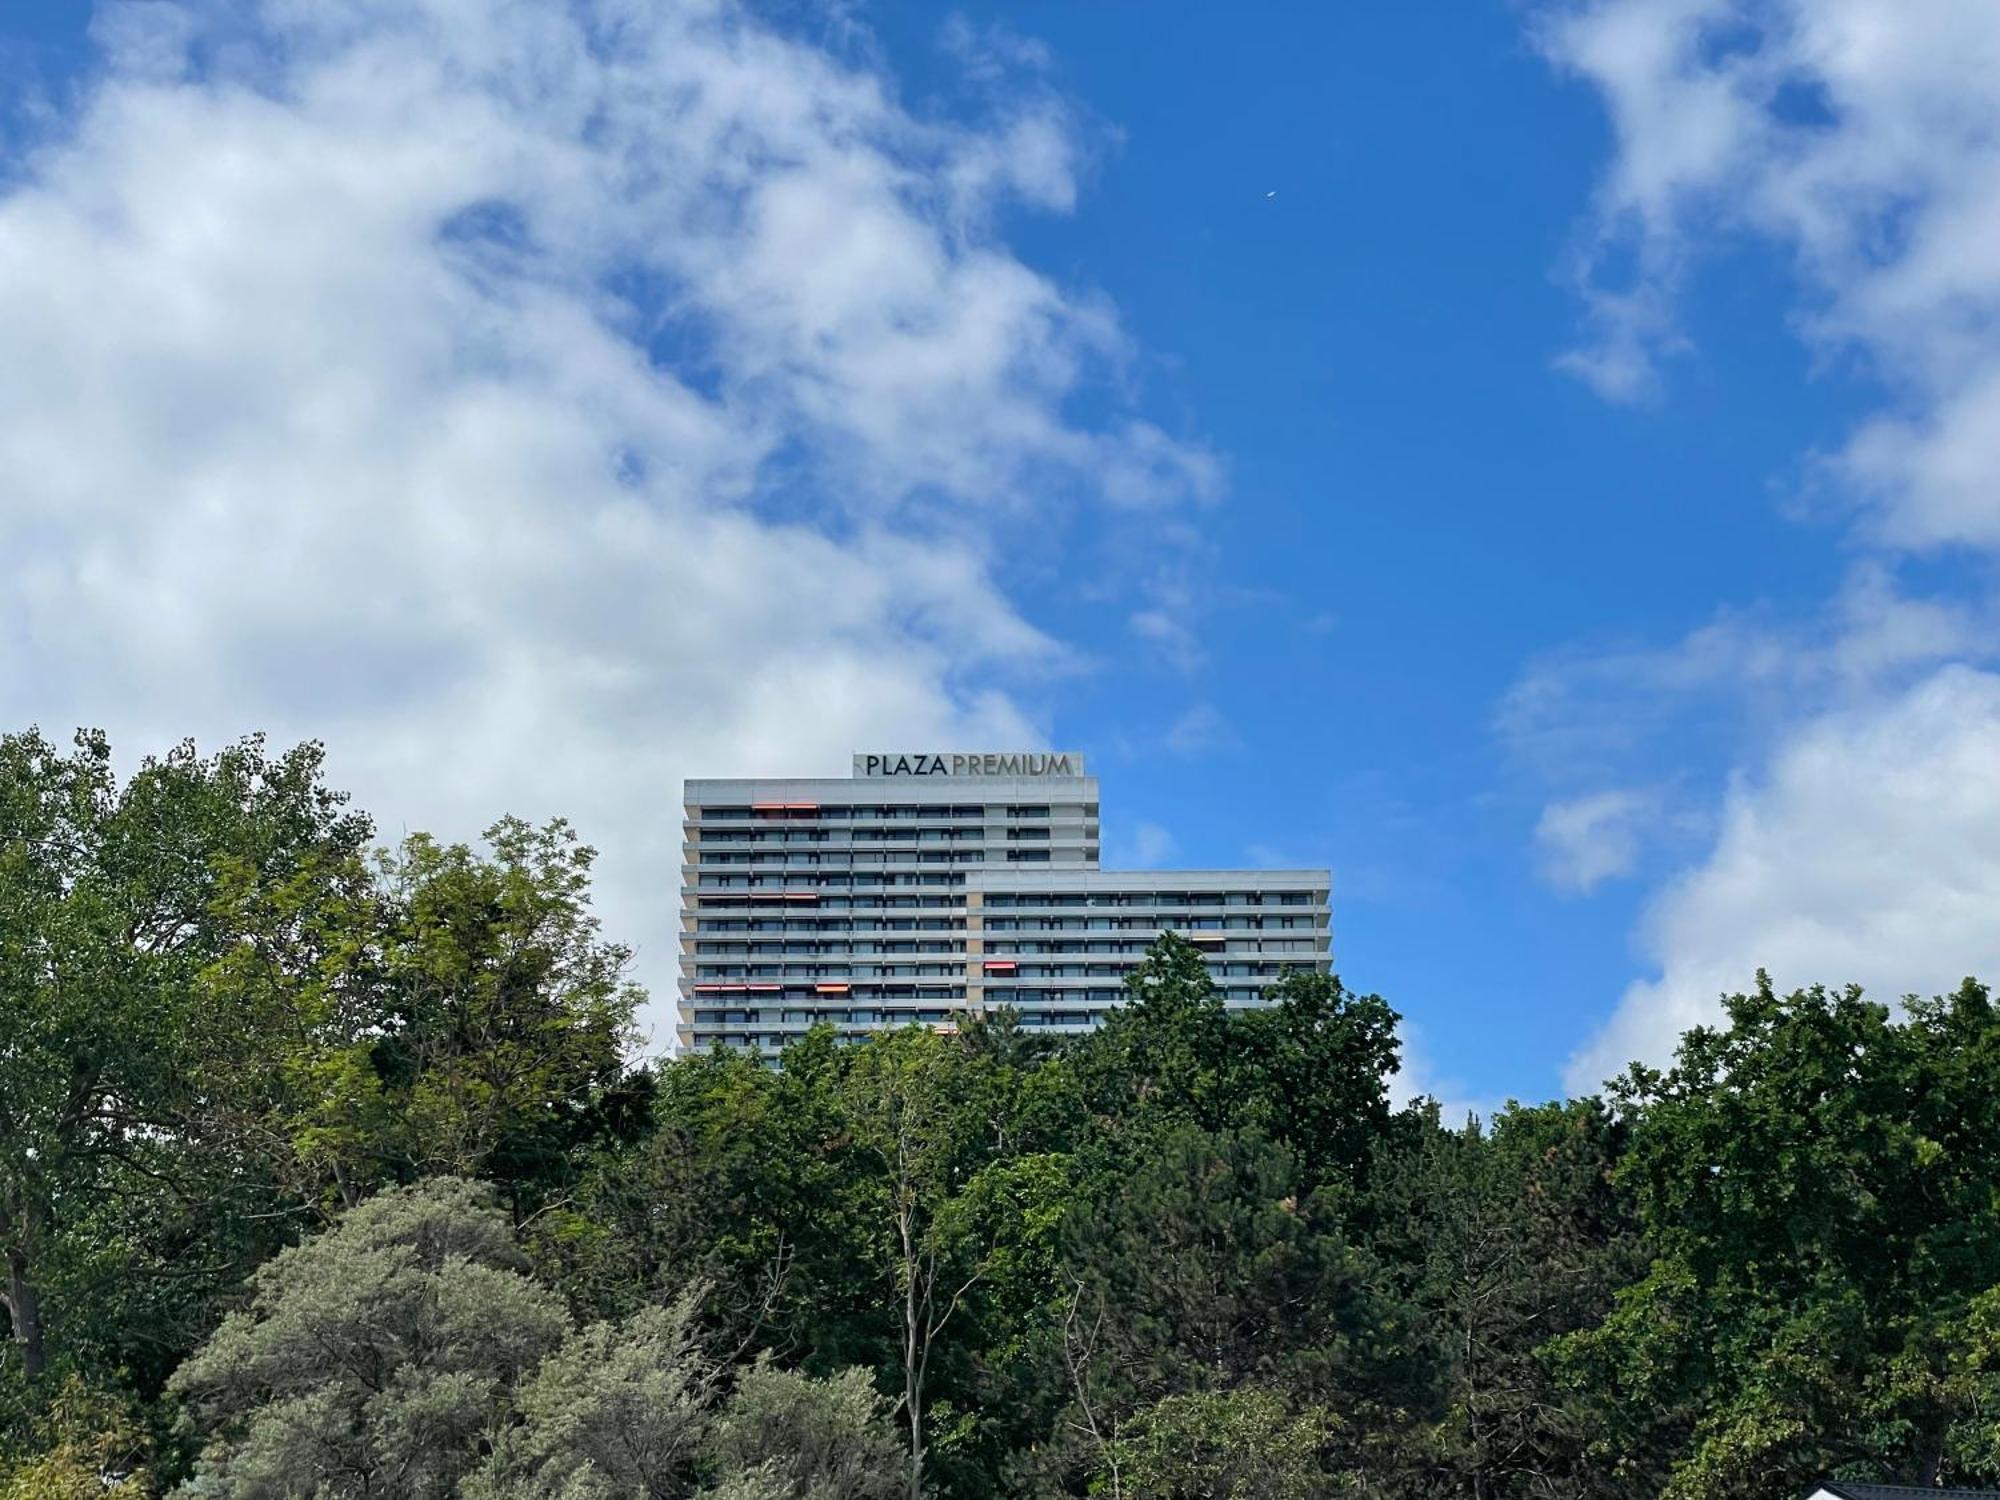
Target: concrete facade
pixel 930 884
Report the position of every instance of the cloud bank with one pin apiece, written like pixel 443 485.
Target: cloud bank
pixel 540 403
pixel 1861 140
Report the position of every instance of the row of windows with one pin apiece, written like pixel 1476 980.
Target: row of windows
pixel 764 838
pixel 847 812
pixel 945 947
pixel 893 1015
pixel 1112 899
pixel 1108 992
pixel 1101 971
pixel 775 963
pixel 1159 923
pixel 813 867
pixel 764 1048
pixel 1022 900
pixel 708 858
pixel 703 1040
pixel 868 859
pixel 949 930
pixel 804 991
pixel 818 970
pixel 864 947
pixel 1138 946
pixel 805 923
pixel 818 881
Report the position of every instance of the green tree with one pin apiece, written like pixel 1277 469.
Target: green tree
pixel 118 1081
pixel 800 1438
pixel 619 1410
pixel 86 1445
pixel 1204 1269
pixel 1221 1445
pixel 1501 1239
pixel 510 1013
pixel 457 1013
pixel 1316 1066
pixel 1817 1183
pixel 1165 1052
pixel 920 1106
pixel 374 1359
pixel 748 1181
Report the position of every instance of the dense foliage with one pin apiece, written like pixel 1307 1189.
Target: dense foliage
pixel 328 1171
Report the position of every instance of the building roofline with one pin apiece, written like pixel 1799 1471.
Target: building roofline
pixel 910 788
pixel 1051 874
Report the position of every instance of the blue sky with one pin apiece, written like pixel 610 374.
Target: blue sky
pixel 1541 459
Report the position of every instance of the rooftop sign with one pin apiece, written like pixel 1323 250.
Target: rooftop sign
pixel 927 763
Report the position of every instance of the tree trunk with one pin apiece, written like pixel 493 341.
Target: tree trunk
pixel 913 1376
pixel 24 1305
pixel 912 1395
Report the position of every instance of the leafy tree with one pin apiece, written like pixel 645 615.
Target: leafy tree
pixel 1220 1445
pixel 509 1012
pixel 749 1182
pixel 1317 1064
pixel 619 1410
pixel 1165 1052
pixel 373 1359
pixel 1818 1185
pixel 87 1445
pixel 459 1014
pixel 918 1106
pixel 1501 1238
pixel 797 1438
pixel 117 1079
pixel 1206 1271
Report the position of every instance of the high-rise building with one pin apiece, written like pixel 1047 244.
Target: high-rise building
pixel 927 885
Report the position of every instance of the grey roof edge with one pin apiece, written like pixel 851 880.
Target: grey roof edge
pixel 1850 1490
pixel 1030 874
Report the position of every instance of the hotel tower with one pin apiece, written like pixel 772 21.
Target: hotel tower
pixel 928 885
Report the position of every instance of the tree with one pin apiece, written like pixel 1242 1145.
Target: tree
pixel 619 1410
pixel 1165 1052
pixel 747 1181
pixel 1318 1062
pixel 1502 1238
pixel 1817 1184
pixel 799 1438
pixel 1221 1445
pixel 87 1445
pixel 916 1104
pixel 509 1013
pixel 1310 1071
pixel 458 1013
pixel 372 1359
pixel 114 1073
pixel 1205 1271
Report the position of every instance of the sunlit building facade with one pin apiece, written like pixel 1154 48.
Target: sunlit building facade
pixel 928 885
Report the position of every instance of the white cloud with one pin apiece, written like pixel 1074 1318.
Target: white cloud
pixel 1200 730
pixel 1860 138
pixel 1863 137
pixel 1869 853
pixel 538 403
pixel 1588 840
pixel 1166 628
pixel 1588 714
